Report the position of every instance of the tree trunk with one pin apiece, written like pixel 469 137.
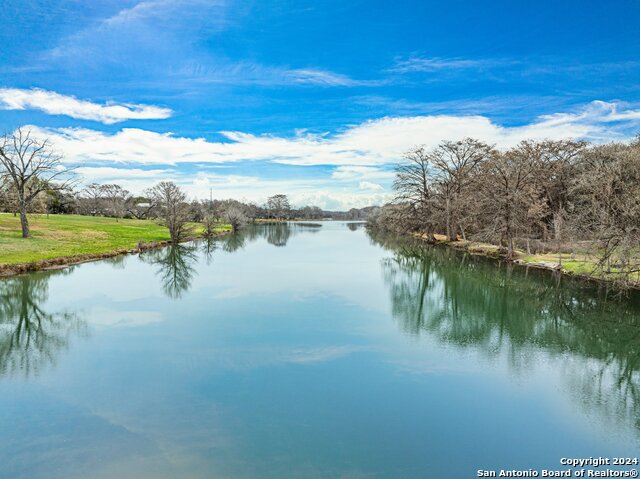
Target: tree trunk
pixel 559 248
pixel 509 235
pixel 23 219
pixel 557 225
pixel 450 234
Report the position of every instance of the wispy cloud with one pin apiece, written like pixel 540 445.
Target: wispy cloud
pixel 56 104
pixel 515 105
pixel 253 73
pixel 416 64
pixel 156 32
pixel 158 9
pixel 165 37
pixel 325 78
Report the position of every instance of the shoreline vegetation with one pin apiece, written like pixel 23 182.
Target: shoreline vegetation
pixel 566 205
pixel 58 241
pixel 568 264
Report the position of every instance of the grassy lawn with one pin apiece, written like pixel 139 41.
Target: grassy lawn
pixel 577 264
pixel 71 235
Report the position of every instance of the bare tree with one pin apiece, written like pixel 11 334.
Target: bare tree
pixel 235 216
pixel 91 199
pixel 140 207
pixel 32 166
pixel 209 223
pixel 310 213
pixel 278 206
pixel 116 199
pixel 454 164
pixel 414 187
pixel 558 167
pixel 438 184
pixel 507 190
pixel 170 202
pixel 395 218
pixel 608 195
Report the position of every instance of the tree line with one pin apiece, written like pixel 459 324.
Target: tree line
pixel 539 196
pixel 35 179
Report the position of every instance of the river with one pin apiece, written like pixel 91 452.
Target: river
pixel 309 351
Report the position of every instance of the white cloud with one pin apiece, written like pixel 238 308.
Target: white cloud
pixel 323 192
pixel 362 155
pixel 367 185
pixel 56 104
pixel 361 172
pixel 102 173
pixel 134 180
pixel 330 199
pixel 601 111
pixel 372 143
pixel 320 192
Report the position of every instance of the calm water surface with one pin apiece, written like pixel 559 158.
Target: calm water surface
pixel 302 352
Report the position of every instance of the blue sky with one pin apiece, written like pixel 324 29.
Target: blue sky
pixel 315 99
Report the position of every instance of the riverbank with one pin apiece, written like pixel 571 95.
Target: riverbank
pixel 62 240
pixel 570 264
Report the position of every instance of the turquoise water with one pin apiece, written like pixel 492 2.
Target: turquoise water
pixel 310 352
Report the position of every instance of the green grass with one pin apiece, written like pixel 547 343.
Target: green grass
pixel 71 235
pixel 579 267
pixel 570 263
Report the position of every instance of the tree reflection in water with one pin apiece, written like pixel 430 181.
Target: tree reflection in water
pixel 177 263
pixel 175 267
pixel 236 241
pixel 208 247
pixel 497 308
pixel 30 336
pixel 277 234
